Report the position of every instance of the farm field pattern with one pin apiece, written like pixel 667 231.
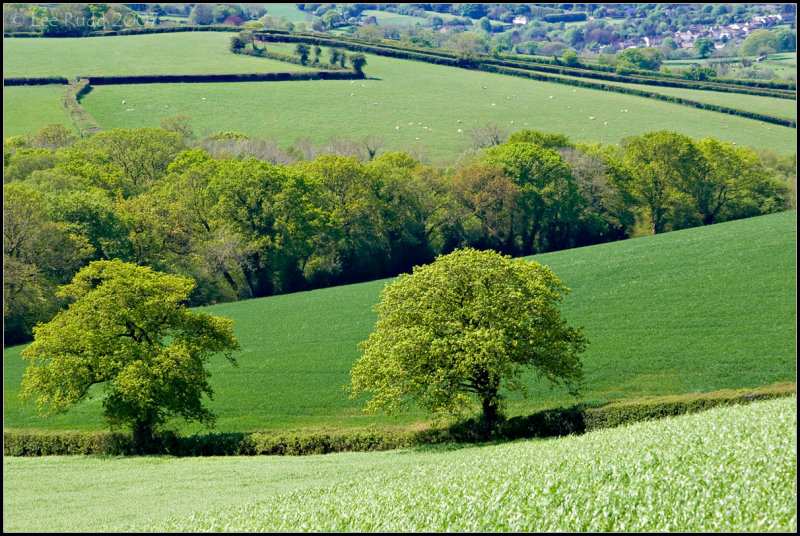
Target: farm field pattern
pixel 425 101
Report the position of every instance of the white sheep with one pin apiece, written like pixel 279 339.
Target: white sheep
pixel 592 118
pixel 460 130
pixel 458 120
pixel 551 96
pixel 123 102
pixel 398 128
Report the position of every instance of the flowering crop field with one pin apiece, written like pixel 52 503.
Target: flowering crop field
pixel 730 469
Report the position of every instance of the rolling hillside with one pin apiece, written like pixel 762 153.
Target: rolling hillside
pixel 689 311
pixel 425 101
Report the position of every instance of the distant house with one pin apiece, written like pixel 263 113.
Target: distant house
pixel 520 21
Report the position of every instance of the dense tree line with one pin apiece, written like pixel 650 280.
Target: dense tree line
pixel 246 224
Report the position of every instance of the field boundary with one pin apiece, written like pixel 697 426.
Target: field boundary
pixel 224 77
pixel 557 422
pixel 84 123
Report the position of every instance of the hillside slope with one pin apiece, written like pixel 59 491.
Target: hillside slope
pixel 689 311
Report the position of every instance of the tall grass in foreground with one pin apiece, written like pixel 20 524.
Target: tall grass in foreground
pixel 730 469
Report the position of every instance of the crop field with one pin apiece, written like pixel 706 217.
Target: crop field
pixel 730 469
pixel 683 312
pixel 27 109
pixel 414 106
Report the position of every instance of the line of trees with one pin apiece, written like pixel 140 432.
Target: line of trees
pixel 243 227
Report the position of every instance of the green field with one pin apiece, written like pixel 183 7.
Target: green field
pixel 689 311
pixel 27 109
pixel 385 17
pixel 289 11
pixel 731 469
pixel 167 53
pixel 401 94
pixel 750 103
pixel 407 93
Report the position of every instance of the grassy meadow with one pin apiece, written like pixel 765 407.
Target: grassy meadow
pixel 167 53
pixel 689 311
pixel 27 109
pixel 425 101
pixel 730 469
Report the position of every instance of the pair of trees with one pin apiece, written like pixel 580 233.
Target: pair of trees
pixel 463 327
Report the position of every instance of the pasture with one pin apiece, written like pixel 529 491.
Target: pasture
pixel 683 312
pixel 731 469
pixel 414 106
pixel 28 108
pixel 167 53
pixel 417 107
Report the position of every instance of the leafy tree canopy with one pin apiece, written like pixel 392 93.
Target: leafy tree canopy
pixel 127 330
pixel 462 329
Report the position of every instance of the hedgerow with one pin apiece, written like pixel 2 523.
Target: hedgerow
pixel 557 422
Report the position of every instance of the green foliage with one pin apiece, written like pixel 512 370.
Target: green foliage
pixel 704 47
pixel 466 326
pixel 648 59
pixel 573 420
pixel 127 330
pixel 663 167
pixel 759 40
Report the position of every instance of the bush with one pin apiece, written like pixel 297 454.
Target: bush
pixel 548 423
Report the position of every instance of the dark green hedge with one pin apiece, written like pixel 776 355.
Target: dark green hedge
pixel 442 57
pixel 26 81
pixel 641 93
pixel 549 423
pixel 135 31
pixel 225 77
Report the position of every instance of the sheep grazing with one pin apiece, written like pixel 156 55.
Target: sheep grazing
pixel 166 106
pixel 458 120
pixel 512 121
pixel 416 138
pixel 551 96
pixel 352 94
pixel 202 98
pixel 123 102
pixel 493 104
pixel 398 128
pixel 129 110
pixel 605 122
pixel 592 118
pixel 460 130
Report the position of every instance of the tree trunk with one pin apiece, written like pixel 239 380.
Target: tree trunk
pixel 143 440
